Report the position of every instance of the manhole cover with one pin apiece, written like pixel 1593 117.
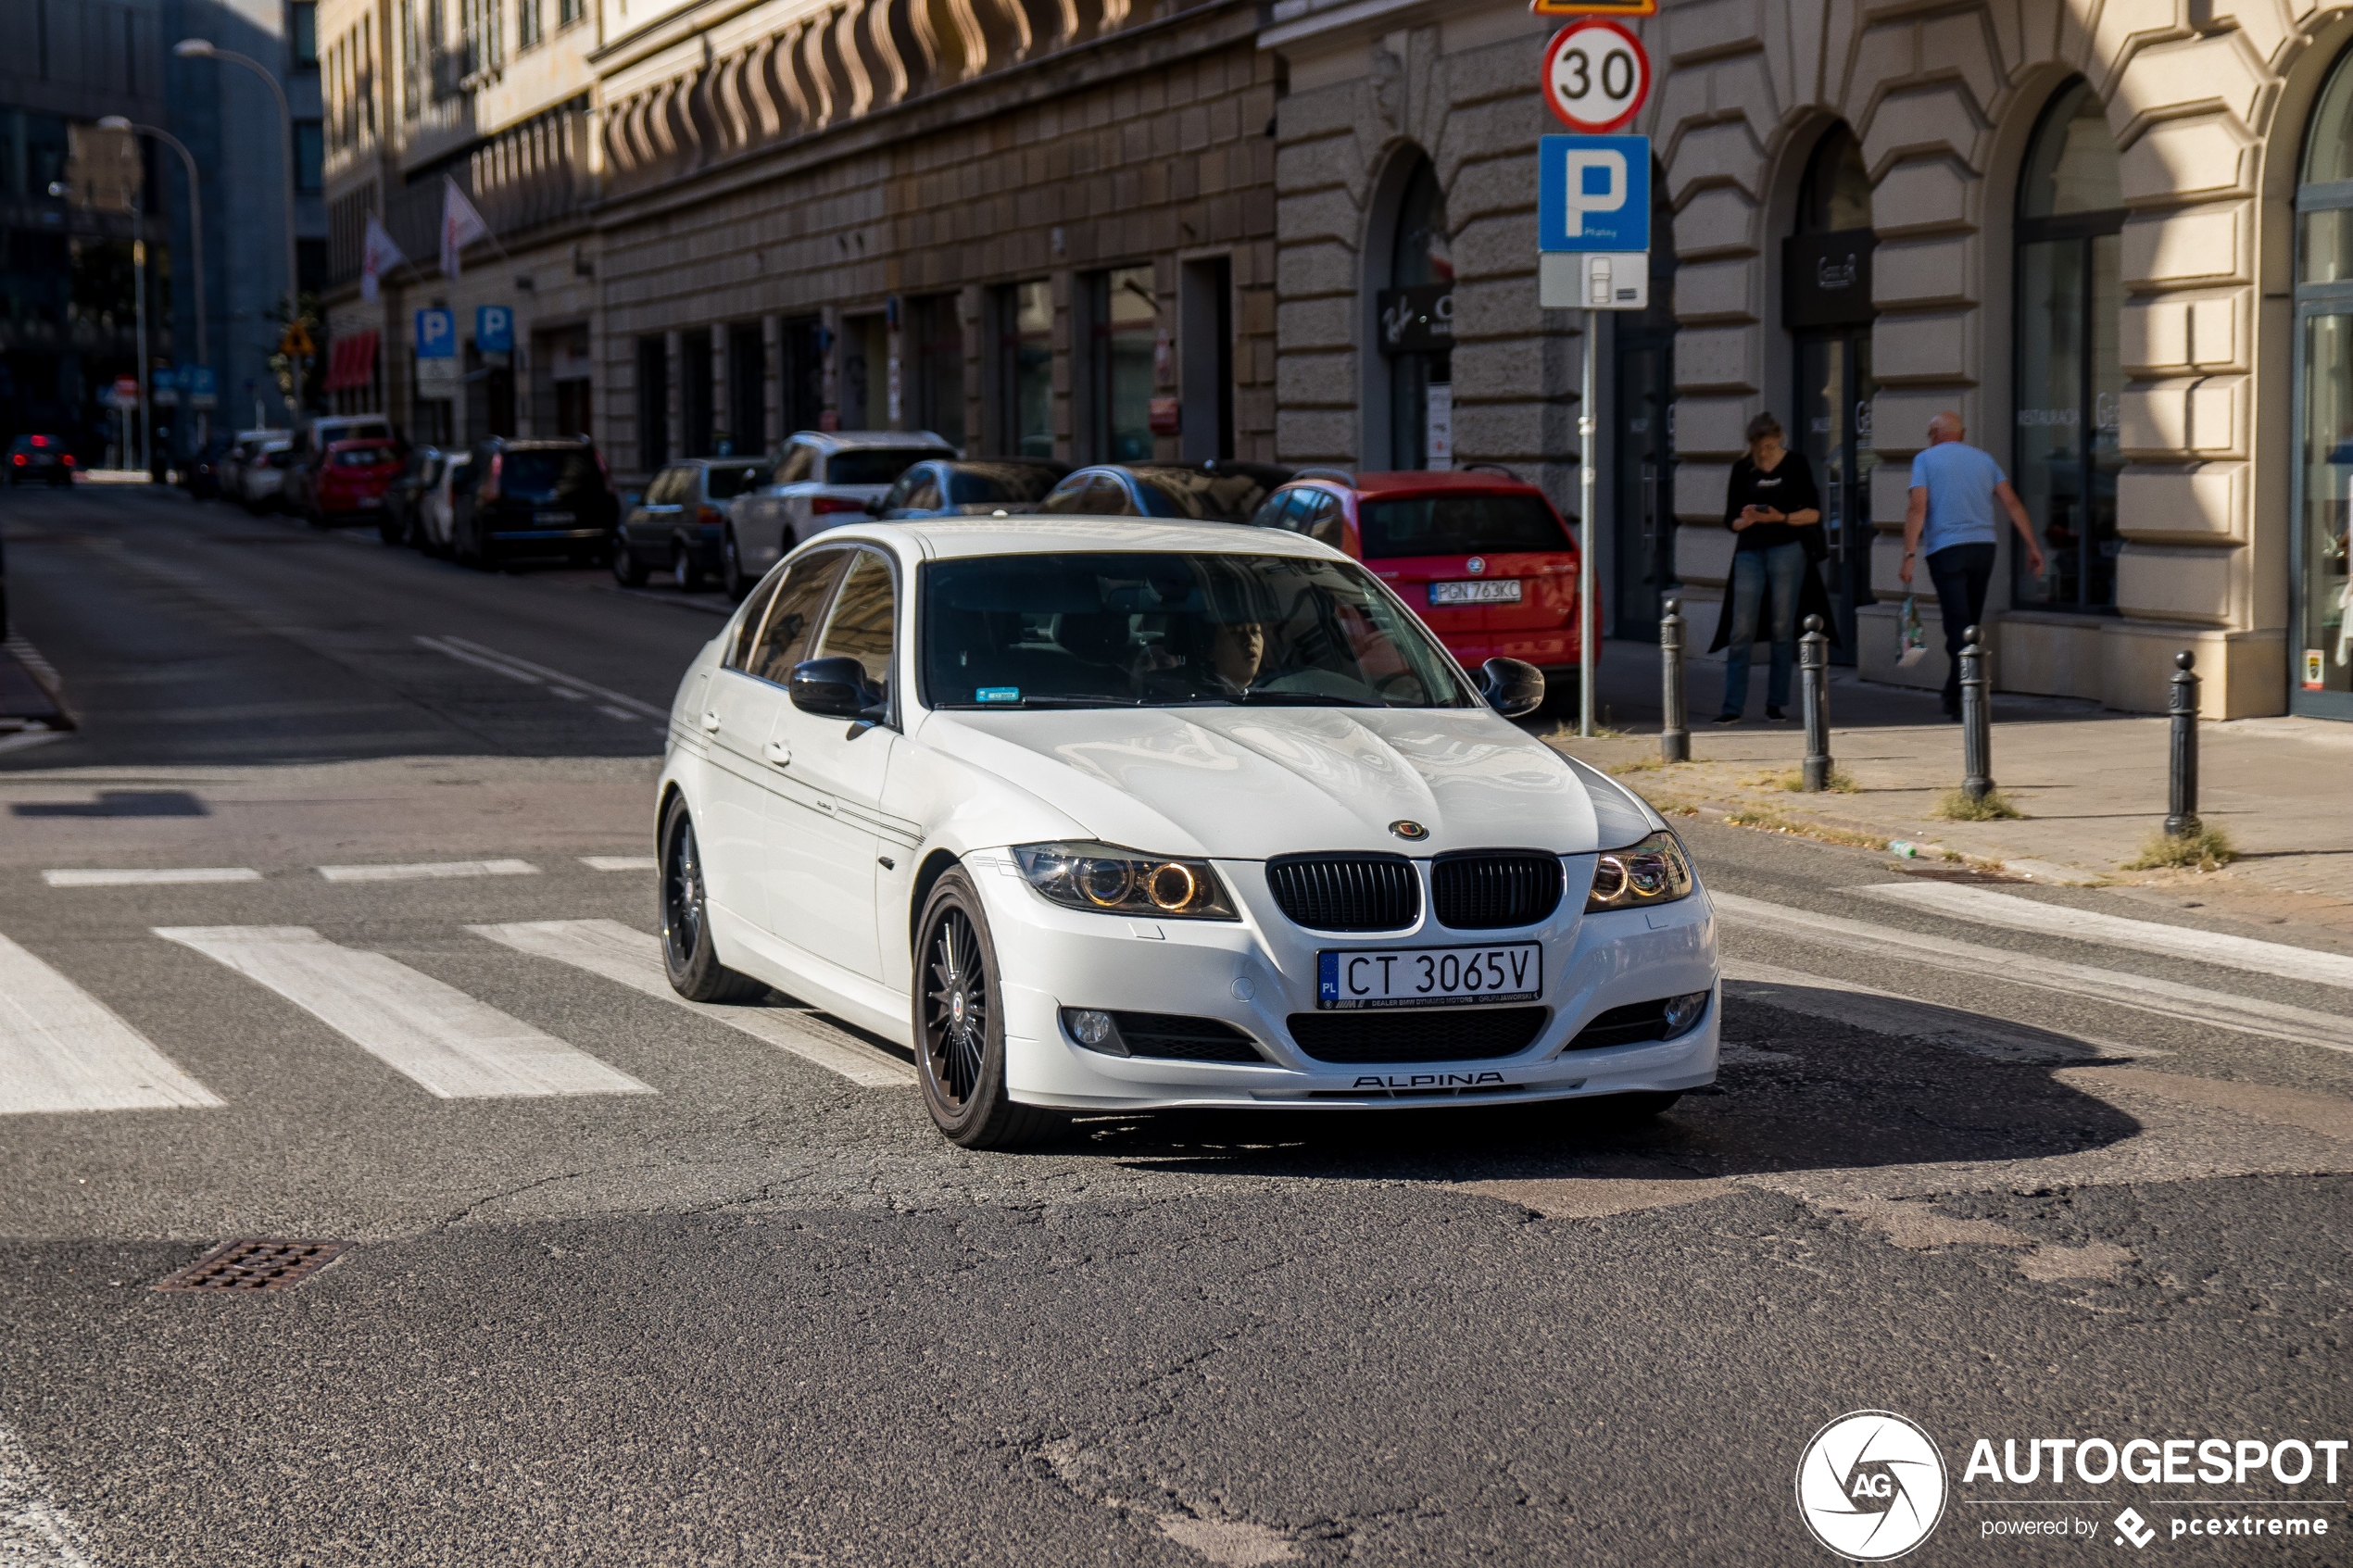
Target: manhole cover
pixel 255 1265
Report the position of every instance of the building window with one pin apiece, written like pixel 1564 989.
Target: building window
pixel 746 389
pixel 528 29
pixel 940 365
pixel 653 403
pixel 309 154
pixel 1421 278
pixel 302 34
pixel 1121 307
pixel 801 372
pixel 696 402
pixel 569 11
pixel 2069 384
pixel 2322 679
pixel 1025 368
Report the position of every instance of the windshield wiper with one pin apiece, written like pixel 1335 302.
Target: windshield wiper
pixel 1047 702
pixel 1304 699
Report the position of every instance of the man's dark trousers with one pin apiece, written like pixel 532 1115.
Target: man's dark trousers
pixel 1962 573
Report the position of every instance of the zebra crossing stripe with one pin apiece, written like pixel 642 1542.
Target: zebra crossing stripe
pixel 61 1049
pixel 34 1532
pixel 451 1046
pixel 633 959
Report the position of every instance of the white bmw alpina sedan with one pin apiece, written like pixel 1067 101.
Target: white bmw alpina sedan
pixel 1112 815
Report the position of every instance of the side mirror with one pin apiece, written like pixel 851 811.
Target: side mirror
pixel 834 688
pixel 1512 687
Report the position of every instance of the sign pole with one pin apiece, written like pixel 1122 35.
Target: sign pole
pixel 1587 438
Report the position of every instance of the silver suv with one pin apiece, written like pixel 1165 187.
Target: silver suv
pixel 822 479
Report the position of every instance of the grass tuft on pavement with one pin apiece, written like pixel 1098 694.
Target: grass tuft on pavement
pixel 2208 849
pixel 1774 822
pixel 1957 806
pixel 1841 782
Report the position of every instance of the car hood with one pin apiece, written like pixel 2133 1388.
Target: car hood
pixel 1247 783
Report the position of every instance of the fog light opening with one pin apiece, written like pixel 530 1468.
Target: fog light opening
pixel 1094 1029
pixel 1683 1012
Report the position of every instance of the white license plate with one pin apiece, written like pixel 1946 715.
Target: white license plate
pixel 551 520
pixel 372 500
pixel 1423 977
pixel 1502 592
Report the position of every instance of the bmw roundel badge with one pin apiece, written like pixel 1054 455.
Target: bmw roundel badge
pixel 1405 829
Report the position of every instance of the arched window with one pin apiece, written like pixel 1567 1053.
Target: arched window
pixel 2322 631
pixel 1825 304
pixel 1416 315
pixel 2071 211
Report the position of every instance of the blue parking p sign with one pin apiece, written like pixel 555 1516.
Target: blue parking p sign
pixel 436 335
pixel 1593 193
pixel 494 329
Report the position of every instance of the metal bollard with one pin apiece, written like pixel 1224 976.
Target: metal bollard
pixel 1674 736
pixel 1814 677
pixel 2181 816
pixel 1977 720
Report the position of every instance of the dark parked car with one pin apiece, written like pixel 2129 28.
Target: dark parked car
pixel 1219 490
pixel 533 498
pixel 946 487
pixel 200 475
pixel 680 525
pixel 405 501
pixel 40 460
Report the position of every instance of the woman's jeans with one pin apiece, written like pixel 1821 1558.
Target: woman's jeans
pixel 1782 569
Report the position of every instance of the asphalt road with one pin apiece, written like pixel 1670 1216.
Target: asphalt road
pixel 2008 1183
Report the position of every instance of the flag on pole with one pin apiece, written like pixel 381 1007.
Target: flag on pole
pixel 379 253
pixel 460 226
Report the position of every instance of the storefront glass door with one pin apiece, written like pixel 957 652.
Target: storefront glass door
pixel 1835 390
pixel 2322 651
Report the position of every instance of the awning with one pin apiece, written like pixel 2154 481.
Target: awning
pixel 350 361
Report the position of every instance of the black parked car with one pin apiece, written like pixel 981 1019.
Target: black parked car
pixel 953 487
pixel 403 503
pixel 200 475
pixel 680 525
pixel 534 498
pixel 1218 490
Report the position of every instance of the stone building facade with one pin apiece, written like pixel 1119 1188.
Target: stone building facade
pixel 2073 221
pixel 1031 227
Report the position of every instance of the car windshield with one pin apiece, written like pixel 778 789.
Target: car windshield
pixel 539 475
pixel 1153 630
pixel 1203 498
pixel 726 481
pixel 1459 525
pixel 980 483
pixel 871 465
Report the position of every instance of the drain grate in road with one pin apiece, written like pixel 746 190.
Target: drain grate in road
pixel 255 1265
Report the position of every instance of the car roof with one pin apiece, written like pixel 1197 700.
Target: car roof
pixel 727 462
pixel 956 538
pixel 362 441
pixel 846 440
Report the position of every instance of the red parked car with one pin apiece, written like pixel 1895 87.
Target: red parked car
pixel 353 479
pixel 1480 556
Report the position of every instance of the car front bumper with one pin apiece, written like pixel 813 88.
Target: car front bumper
pixel 1254 972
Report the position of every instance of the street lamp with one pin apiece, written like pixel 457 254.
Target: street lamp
pixel 205 49
pixel 195 225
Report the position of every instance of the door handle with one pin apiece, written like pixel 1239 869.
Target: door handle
pixel 779 752
pixel 710 720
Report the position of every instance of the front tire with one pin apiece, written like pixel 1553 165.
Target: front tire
pixel 960 1040
pixel 694 968
pixel 627 569
pixel 684 569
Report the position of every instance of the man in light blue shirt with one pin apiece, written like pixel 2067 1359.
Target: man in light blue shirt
pixel 1950 520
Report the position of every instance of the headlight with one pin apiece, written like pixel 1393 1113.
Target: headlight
pixel 1120 882
pixel 1654 871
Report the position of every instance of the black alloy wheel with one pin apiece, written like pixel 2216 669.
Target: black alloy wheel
pixel 695 970
pixel 960 1046
pixel 627 569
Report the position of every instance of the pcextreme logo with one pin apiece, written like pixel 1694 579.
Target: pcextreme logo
pixel 1871 1485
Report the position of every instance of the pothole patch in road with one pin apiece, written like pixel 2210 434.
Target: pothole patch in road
pixel 1922 1227
pixel 1230 1543
pixel 1193 1524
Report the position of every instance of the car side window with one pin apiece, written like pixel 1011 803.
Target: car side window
pixel 747 625
pixel 1274 512
pixel 861 624
pixel 798 458
pixel 897 494
pixel 1322 520
pixel 1070 495
pixel 923 493
pixel 1107 498
pixel 801 595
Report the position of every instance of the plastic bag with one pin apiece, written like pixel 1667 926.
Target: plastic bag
pixel 1913 640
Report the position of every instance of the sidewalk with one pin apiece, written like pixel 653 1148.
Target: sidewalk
pixel 2092 783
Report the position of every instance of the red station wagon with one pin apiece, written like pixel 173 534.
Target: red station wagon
pixel 352 478
pixel 1481 556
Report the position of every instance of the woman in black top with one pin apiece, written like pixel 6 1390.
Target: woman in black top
pixel 1772 505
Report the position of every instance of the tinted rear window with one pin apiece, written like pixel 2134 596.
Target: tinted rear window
pixel 1459 525
pixel 536 474
pixel 972 487
pixel 366 457
pixel 1181 493
pixel 874 467
pixel 724 482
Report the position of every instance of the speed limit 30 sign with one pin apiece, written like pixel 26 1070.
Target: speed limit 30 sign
pixel 1596 76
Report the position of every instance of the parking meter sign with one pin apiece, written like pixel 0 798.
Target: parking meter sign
pixel 1593 193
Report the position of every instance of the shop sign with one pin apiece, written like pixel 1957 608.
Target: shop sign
pixel 1419 320
pixel 1826 280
